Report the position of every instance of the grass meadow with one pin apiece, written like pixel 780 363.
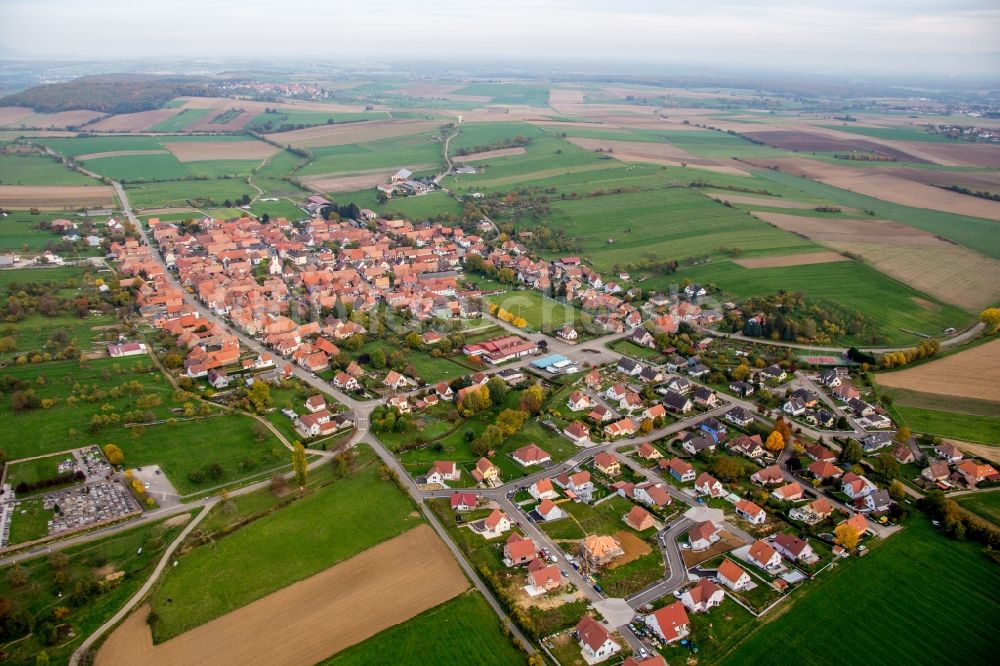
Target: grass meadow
pixel 464 630
pixel 324 527
pixel 33 169
pixel 899 586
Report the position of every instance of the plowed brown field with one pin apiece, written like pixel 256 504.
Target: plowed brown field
pixel 312 619
pixel 55 197
pixel 195 151
pixel 965 374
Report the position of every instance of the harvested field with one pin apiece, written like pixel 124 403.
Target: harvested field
pixel 811 142
pixel 133 122
pixel 195 151
pixel 488 154
pixel 234 124
pixel 355 181
pixel 55 197
pixel 11 115
pixel 633 546
pixel 878 183
pixel 974 180
pixel 118 153
pixel 343 134
pixel 959 154
pixel 986 451
pixel 381 587
pixel 60 120
pixel 962 374
pixel 654 153
pixel 802 259
pixel 950 272
pixel 429 89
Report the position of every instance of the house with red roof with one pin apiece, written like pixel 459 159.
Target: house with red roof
pixel 530 454
pixel 442 471
pixel 518 550
pixel 493 525
pixel 542 578
pixel 763 555
pixel 463 501
pixel 486 472
pixel 670 623
pixel 703 596
pixel 732 575
pixel 678 469
pixel 542 489
pixel 578 432
pixel 595 640
pixel 750 512
pixel 794 548
pixel 547 510
pixel 639 519
pixel 702 535
pixel 706 484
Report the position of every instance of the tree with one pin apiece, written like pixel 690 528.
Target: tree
pixel 775 442
pixel 259 396
pixel 498 390
pixel 476 400
pixel 902 435
pixel 781 425
pixel 216 471
pixel 991 317
pixel 413 340
pixel 897 490
pixel 259 431
pixel 727 469
pixel 377 359
pixel 531 399
pixel 114 454
pixel 885 467
pixel 510 421
pixel 646 427
pixel 299 464
pixel 851 453
pixel 846 536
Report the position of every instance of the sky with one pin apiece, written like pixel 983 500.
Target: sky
pixel 832 36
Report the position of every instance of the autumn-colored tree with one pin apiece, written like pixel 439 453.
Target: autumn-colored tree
pixel 646 427
pixel 781 425
pixel 775 442
pixel 902 435
pixel 114 454
pixel 991 317
pixel 299 464
pixel 531 399
pixel 897 490
pixel 846 536
pixel 510 421
pixel 476 400
pixel 259 395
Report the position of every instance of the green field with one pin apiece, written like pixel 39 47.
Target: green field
pixel 288 119
pixel 985 504
pixel 526 94
pixel 34 470
pixel 326 526
pixel 276 209
pixel 889 305
pixel 38 170
pixel 180 121
pixel 981 429
pixel 221 168
pixel 899 586
pixel 137 168
pixel 539 311
pixel 893 133
pixel 198 193
pixel 56 275
pixel 29 521
pixel 417 152
pixel 34 332
pixel 134 551
pixel 464 630
pixel 271 176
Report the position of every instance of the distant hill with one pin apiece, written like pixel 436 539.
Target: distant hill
pixel 109 93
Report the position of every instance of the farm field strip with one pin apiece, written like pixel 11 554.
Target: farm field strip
pixel 383 586
pixel 55 197
pixel 802 259
pixel 960 374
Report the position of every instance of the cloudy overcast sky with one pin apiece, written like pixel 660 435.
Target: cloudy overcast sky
pixel 946 36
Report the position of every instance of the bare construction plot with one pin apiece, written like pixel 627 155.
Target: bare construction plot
pixel 312 619
pixel 347 133
pixel 55 197
pixel 196 151
pixel 952 273
pixel 965 374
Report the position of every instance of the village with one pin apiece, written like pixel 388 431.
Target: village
pixel 630 466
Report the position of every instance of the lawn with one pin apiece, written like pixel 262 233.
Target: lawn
pixel 715 633
pixel 36 169
pixel 29 521
pixel 541 312
pixel 967 427
pixel 899 585
pixel 134 551
pixel 986 504
pixel 33 333
pixel 140 168
pixel 326 526
pixel 34 470
pixel 57 276
pixel 180 121
pixel 464 630
pixel 276 209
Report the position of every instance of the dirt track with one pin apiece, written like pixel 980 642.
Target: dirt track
pixel 312 619
pixel 965 374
